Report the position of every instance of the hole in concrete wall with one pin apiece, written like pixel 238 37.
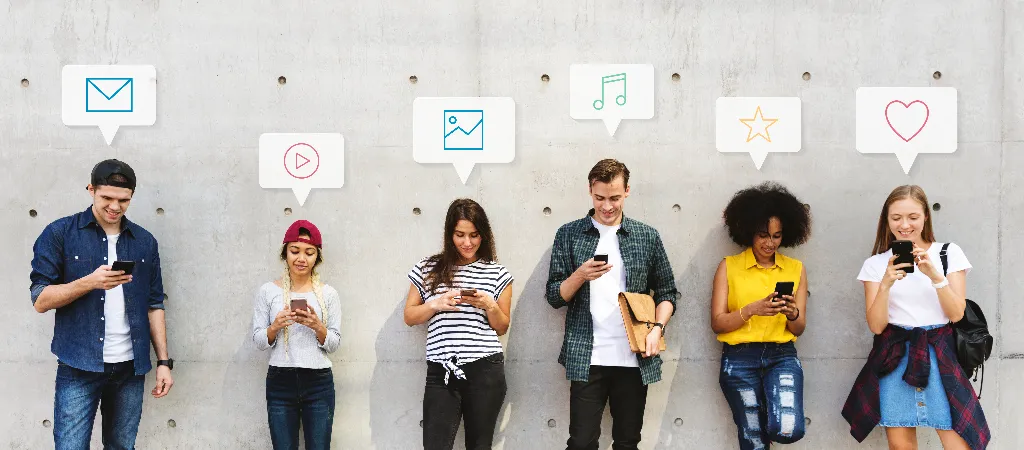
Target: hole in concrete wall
pixel 282 80
pixel 165 297
pixel 551 423
pixel 547 211
pixel 676 207
pixel 287 211
pixel 806 76
pixel 678 421
pixel 421 424
pixel 416 211
pixel 807 421
pixel 545 78
pixel 159 211
pixel 32 213
pixel 937 75
pixel 24 82
pixel 171 423
pixel 413 79
pixel 675 77
pixel 47 424
pixel 936 206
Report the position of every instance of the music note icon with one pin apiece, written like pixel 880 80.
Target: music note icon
pixel 619 99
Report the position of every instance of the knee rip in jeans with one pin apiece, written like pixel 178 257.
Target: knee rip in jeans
pixel 787 402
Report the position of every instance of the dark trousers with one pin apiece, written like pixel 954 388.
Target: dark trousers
pixel 297 395
pixel 477 400
pixel 118 393
pixel 764 385
pixel 624 390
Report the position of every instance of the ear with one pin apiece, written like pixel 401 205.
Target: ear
pixel 627 191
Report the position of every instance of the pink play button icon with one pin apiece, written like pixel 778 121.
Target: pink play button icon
pixel 304 163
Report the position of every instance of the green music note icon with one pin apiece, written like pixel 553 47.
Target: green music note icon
pixel 619 99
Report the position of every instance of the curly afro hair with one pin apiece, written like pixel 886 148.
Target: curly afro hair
pixel 750 210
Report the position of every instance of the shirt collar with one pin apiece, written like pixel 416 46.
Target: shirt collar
pixel 625 227
pixel 87 218
pixel 749 261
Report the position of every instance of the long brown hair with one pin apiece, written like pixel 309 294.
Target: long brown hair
pixel 443 271
pixel 883 236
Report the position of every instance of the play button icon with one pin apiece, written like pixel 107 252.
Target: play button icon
pixel 304 163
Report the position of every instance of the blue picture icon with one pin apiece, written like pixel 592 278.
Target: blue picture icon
pixel 463 129
pixel 109 95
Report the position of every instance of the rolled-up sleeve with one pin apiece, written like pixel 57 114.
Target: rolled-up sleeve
pixel 560 268
pixel 333 302
pixel 662 281
pixel 261 320
pixel 156 282
pixel 46 261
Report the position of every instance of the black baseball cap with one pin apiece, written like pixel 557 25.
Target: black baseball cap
pixel 104 170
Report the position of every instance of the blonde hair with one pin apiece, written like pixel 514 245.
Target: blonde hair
pixel 318 290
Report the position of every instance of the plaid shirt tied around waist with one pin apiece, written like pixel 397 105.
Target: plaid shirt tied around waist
pixel 647 271
pixel 863 410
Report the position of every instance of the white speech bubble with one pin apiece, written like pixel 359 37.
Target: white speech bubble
pixel 463 131
pixel 906 121
pixel 302 161
pixel 758 125
pixel 611 92
pixel 108 96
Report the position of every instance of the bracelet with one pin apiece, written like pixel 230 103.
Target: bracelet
pixel 941 284
pixel 797 315
pixel 741 315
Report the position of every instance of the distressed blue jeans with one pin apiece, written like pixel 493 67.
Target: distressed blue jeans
pixel 764 385
pixel 118 393
pixel 300 396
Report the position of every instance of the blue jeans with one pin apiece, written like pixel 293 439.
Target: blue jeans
pixel 764 385
pixel 297 395
pixel 117 391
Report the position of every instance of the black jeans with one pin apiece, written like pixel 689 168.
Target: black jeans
pixel 478 399
pixel 297 395
pixel 625 390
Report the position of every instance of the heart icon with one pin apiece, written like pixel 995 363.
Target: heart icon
pixel 906 118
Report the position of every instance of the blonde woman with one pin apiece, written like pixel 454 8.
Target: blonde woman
pixel 298 318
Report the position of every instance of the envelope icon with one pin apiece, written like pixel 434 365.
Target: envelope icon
pixel 109 94
pixel 463 129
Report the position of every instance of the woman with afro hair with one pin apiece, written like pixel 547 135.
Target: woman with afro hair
pixel 761 375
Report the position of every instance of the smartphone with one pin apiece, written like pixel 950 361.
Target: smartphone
pixel 602 257
pixel 298 304
pixel 905 254
pixel 784 288
pixel 467 292
pixel 126 266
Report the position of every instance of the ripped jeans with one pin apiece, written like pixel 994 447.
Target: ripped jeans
pixel 764 385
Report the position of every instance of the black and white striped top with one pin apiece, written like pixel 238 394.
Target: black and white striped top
pixel 465 335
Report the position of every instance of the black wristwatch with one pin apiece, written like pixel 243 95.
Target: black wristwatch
pixel 656 324
pixel 166 362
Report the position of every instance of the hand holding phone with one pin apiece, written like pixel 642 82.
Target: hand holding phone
pixel 784 288
pixel 601 257
pixel 126 266
pixel 904 251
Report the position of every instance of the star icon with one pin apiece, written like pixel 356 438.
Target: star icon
pixel 759 123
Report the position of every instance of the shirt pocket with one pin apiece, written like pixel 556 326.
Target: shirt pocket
pixel 77 266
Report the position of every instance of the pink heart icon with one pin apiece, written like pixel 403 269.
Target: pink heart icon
pixel 906 106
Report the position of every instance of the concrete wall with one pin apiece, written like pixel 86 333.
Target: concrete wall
pixel 348 66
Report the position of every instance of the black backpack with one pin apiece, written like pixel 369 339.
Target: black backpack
pixel 972 341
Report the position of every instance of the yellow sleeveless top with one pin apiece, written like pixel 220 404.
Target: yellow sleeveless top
pixel 749 282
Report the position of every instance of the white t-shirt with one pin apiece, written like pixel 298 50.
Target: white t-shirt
pixel 913 302
pixel 611 347
pixel 117 339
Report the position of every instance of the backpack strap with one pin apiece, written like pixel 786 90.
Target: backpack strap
pixel 945 260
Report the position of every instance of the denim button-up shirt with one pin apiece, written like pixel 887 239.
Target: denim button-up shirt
pixel 647 271
pixel 73 247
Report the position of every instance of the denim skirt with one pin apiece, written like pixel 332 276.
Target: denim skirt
pixel 904 405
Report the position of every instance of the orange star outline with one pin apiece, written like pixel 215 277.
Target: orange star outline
pixel 757 114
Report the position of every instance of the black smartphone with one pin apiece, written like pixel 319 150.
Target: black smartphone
pixel 905 254
pixel 126 266
pixel 784 288
pixel 602 257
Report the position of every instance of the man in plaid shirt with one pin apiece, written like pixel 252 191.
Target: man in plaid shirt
pixel 595 352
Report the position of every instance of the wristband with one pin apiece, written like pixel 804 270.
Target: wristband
pixel 941 284
pixel 797 315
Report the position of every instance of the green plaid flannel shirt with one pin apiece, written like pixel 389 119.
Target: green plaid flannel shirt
pixel 647 270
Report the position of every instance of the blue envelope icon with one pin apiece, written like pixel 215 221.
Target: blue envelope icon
pixel 109 94
pixel 463 129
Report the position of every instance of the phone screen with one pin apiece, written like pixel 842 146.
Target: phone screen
pixel 784 288
pixel 602 257
pixel 905 254
pixel 126 266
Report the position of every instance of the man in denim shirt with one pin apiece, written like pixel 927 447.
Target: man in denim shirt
pixel 104 319
pixel 595 352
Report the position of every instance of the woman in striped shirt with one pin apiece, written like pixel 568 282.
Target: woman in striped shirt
pixel 464 296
